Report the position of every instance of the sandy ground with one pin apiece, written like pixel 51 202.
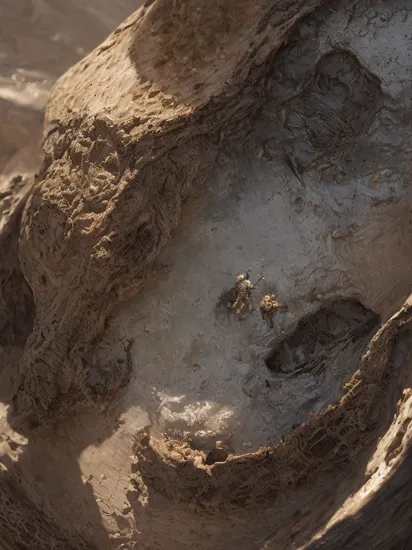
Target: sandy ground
pixel 319 234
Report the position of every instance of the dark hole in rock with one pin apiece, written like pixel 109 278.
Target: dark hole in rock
pixel 216 455
pixel 223 308
pixel 324 337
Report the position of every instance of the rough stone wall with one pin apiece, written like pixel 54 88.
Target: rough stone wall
pixel 23 526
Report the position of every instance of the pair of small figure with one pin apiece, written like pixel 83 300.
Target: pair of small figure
pixel 268 304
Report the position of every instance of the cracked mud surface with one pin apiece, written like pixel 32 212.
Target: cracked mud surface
pixel 209 430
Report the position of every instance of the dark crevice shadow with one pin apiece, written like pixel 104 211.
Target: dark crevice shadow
pixel 320 337
pixel 17 308
pixel 383 523
pixel 49 476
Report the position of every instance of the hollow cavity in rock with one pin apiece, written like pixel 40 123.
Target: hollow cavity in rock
pixel 335 331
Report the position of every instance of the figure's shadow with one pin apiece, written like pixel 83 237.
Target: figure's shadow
pixel 49 473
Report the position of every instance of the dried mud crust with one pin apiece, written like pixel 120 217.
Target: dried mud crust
pixel 334 436
pixel 126 140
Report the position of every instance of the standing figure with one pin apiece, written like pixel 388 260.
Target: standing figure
pixel 243 289
pixel 268 307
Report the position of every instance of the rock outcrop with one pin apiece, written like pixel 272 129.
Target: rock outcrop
pixel 130 130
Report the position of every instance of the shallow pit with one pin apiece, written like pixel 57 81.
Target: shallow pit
pixel 324 338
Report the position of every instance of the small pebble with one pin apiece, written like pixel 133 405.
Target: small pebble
pixel 336 234
pixel 103 476
pixel 363 32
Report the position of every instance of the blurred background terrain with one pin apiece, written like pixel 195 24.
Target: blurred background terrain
pixel 39 41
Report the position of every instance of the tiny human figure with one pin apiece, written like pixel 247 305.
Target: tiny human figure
pixel 268 307
pixel 243 289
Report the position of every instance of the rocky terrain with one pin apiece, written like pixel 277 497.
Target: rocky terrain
pixel 196 142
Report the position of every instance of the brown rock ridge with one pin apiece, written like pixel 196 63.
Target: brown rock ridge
pixel 296 481
pixel 129 131
pixel 336 435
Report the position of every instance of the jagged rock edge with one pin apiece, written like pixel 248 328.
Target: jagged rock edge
pixel 334 436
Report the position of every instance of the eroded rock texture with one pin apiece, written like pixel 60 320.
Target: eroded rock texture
pixel 23 526
pixel 16 301
pixel 130 130
pixel 336 435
